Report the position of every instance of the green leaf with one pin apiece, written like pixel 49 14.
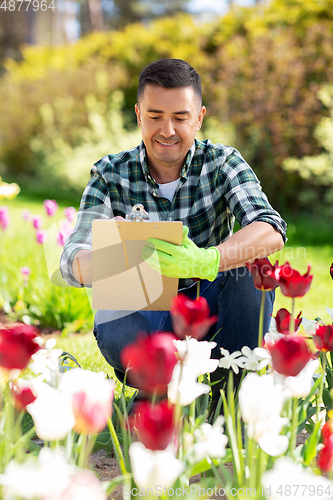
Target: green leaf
pixel 310 445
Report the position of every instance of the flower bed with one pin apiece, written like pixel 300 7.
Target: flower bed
pixel 171 437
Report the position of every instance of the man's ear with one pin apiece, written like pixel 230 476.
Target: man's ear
pixel 200 117
pixel 138 116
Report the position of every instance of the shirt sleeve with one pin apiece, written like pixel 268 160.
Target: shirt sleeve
pixel 95 204
pixel 245 198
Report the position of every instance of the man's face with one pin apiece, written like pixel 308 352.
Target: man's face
pixel 169 120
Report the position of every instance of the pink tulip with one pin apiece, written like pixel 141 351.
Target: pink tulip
pixel 70 213
pixel 26 214
pixel 61 238
pixel 25 271
pixel 37 221
pixel 4 218
pixel 40 236
pixel 51 206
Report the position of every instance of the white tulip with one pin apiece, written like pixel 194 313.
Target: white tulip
pixel 330 312
pixel 97 387
pixel 290 480
pixel 197 354
pixel 45 363
pixel 300 386
pixel 51 412
pixel 309 326
pixel 185 390
pixel 210 440
pixel 152 469
pixel 261 403
pixel 50 474
pixel 259 397
pixel 271 426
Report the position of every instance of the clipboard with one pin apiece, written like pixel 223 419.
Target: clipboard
pixel 122 280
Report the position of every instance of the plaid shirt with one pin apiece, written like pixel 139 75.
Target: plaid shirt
pixel 216 187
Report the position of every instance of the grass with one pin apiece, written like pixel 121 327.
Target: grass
pixel 84 348
pixel 40 301
pixel 310 242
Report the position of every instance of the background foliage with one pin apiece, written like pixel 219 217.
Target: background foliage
pixel 262 67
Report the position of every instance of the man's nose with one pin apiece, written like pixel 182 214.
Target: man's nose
pixel 167 128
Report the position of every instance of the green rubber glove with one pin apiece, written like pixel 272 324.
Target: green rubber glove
pixel 182 261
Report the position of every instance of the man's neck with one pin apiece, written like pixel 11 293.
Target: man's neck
pixel 163 175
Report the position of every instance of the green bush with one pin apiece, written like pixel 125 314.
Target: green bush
pixel 59 161
pixel 261 68
pixel 318 170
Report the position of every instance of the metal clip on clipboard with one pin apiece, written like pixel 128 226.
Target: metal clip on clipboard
pixel 138 214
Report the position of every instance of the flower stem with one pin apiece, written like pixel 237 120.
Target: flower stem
pixel 82 455
pixel 294 425
pixel 198 289
pixel 117 448
pixel 321 387
pixel 261 318
pixel 292 320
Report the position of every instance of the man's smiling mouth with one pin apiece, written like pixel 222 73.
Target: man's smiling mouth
pixel 167 143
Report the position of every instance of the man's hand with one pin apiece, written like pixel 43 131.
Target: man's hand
pixel 182 261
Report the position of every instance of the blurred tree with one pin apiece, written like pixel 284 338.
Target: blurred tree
pixel 120 13
pixel 71 19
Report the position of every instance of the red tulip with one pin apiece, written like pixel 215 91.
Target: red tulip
pixel 151 360
pixel 327 430
pixel 23 396
pixel 154 424
pixel 282 320
pixel 262 274
pixel 325 456
pixel 323 338
pixel 331 270
pixel 17 345
pixel 291 282
pixel 289 354
pixel 191 317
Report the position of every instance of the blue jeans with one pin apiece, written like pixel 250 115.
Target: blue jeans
pixel 232 297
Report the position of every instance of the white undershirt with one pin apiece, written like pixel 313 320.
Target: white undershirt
pixel 168 189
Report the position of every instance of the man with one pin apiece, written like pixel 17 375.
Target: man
pixel 203 185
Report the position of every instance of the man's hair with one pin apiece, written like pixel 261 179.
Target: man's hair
pixel 170 74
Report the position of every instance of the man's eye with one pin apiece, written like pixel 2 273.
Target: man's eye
pixel 180 119
pixel 154 117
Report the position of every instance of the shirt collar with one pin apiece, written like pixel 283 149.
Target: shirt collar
pixel 183 173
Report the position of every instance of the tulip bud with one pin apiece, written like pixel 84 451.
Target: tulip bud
pixel 289 354
pixel 154 424
pixel 151 361
pixel 282 320
pixel 262 272
pixel 23 396
pixel 292 284
pixel 17 345
pixel 323 338
pixel 190 318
